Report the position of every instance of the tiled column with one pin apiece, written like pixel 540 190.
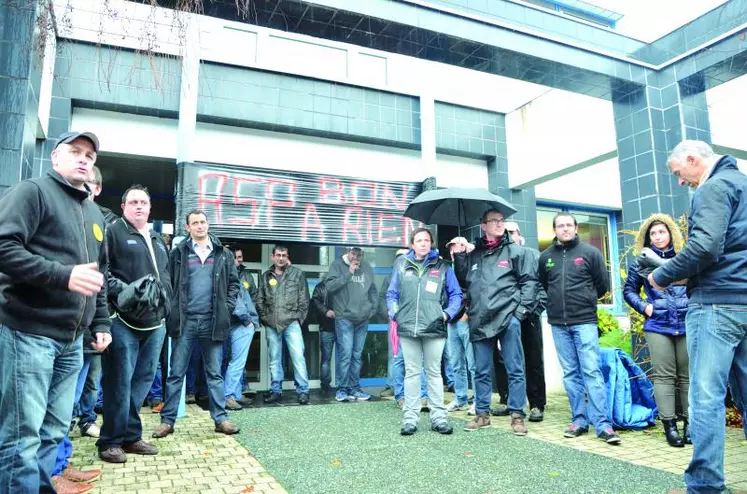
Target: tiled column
pixel 187 126
pixel 650 121
pixel 20 79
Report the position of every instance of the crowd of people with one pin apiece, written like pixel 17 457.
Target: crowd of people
pixel 87 295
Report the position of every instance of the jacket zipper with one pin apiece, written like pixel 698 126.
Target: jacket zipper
pixel 562 284
pixel 85 246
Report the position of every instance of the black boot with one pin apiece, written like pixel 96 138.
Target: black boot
pixel 686 431
pixel 673 435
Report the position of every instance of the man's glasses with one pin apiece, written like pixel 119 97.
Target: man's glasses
pixel 497 221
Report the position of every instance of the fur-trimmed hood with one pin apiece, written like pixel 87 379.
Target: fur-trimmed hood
pixel 642 240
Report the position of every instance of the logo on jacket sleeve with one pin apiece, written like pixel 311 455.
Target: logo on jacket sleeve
pixel 503 263
pixel 98 233
pixel 578 261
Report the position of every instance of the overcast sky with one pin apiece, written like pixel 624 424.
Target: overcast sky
pixel 648 20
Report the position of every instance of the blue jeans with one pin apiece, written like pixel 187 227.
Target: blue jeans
pixel 462 359
pixel 327 344
pixel 448 371
pixel 87 390
pixel 716 345
pixel 195 330
pixel 37 391
pixel 513 357
pixel 294 340
pixel 195 365
pixel 398 376
pixel 65 449
pixel 128 366
pixel 351 337
pixel 156 387
pixel 237 346
pixel 578 352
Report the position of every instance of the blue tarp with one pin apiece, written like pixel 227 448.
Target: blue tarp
pixel 630 394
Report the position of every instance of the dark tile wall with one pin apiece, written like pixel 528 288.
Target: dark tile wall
pixel 117 79
pixel 20 79
pixel 649 122
pixel 470 132
pixel 282 102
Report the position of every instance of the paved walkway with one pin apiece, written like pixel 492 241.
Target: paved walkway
pixel 195 459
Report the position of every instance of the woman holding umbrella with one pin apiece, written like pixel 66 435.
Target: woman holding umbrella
pixel 421 283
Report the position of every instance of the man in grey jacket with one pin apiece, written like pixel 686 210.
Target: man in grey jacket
pixel 350 285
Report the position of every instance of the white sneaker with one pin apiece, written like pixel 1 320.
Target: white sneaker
pixel 92 430
pixel 455 407
pixel 471 411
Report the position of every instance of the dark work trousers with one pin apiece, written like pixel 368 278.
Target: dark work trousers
pixel 531 339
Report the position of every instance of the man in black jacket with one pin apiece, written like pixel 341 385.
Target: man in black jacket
pixel 283 304
pixel 138 330
pixel 205 286
pixel 501 286
pixel 574 276
pixel 352 291
pixel 531 340
pixel 713 261
pixel 325 316
pixel 51 290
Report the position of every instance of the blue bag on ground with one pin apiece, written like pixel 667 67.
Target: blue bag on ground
pixel 630 394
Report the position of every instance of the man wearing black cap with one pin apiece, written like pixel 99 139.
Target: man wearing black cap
pixel 51 292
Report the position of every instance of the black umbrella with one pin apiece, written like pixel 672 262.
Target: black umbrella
pixel 456 206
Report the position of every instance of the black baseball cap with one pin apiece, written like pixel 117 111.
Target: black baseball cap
pixel 68 137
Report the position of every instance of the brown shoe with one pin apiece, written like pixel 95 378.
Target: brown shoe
pixel 113 455
pixel 517 425
pixel 231 404
pixel 481 420
pixel 157 408
pixel 65 486
pixel 74 475
pixel 163 430
pixel 227 427
pixel 191 399
pixel 140 448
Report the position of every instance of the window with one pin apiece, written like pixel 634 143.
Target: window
pixel 593 228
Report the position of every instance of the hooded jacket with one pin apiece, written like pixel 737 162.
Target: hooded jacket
pixel 225 288
pixel 670 305
pixel 353 296
pixel 417 293
pixel 47 228
pixel 714 259
pixel 501 283
pixel 574 276
pixel 130 261
pixel 284 301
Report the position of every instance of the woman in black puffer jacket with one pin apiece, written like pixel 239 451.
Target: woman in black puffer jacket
pixel 665 323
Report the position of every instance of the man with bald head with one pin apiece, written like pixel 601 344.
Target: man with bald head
pixel 51 292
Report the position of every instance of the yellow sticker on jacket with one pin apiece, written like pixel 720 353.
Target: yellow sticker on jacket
pixel 98 234
pixel 273 282
pixel 246 285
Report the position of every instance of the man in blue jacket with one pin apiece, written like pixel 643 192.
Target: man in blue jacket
pixel 713 262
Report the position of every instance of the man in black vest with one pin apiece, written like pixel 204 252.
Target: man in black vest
pixel 205 285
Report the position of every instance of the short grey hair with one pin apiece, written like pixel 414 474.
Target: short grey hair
pixel 691 148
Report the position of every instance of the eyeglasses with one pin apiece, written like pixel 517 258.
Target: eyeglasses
pixel 497 221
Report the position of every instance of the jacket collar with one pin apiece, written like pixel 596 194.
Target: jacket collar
pixel 432 256
pixel 665 254
pixel 504 240
pixel 62 182
pixel 133 229
pixel 726 161
pixel 558 244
